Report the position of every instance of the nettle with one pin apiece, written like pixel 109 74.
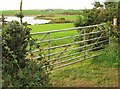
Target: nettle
pixel 18 69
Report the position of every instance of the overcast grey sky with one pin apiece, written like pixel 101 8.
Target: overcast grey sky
pixel 47 4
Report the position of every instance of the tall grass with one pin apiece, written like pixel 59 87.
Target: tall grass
pixel 109 57
pixel 84 74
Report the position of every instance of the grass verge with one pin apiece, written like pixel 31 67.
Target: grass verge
pixel 109 57
pixel 85 74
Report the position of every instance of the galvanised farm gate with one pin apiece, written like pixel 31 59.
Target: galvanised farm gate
pixel 69 46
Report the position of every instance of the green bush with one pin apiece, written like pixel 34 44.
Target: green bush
pixel 82 19
pixel 97 16
pixel 18 69
pixel 90 17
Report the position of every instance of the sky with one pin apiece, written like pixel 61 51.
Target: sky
pixel 47 4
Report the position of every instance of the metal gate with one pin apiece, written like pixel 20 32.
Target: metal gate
pixel 68 46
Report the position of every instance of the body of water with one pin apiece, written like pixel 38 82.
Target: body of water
pixel 29 20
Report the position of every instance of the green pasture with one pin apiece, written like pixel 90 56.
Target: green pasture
pixel 58 17
pixel 38 12
pixel 67 17
pixel 50 27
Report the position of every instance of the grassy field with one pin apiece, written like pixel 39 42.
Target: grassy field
pixel 67 17
pixel 39 12
pixel 55 15
pixel 49 27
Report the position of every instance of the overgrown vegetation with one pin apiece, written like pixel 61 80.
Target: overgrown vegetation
pixel 18 69
pixel 98 14
pixel 109 56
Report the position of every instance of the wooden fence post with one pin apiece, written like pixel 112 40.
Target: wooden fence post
pixel 115 21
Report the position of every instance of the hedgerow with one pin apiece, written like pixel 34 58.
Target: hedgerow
pixel 18 70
